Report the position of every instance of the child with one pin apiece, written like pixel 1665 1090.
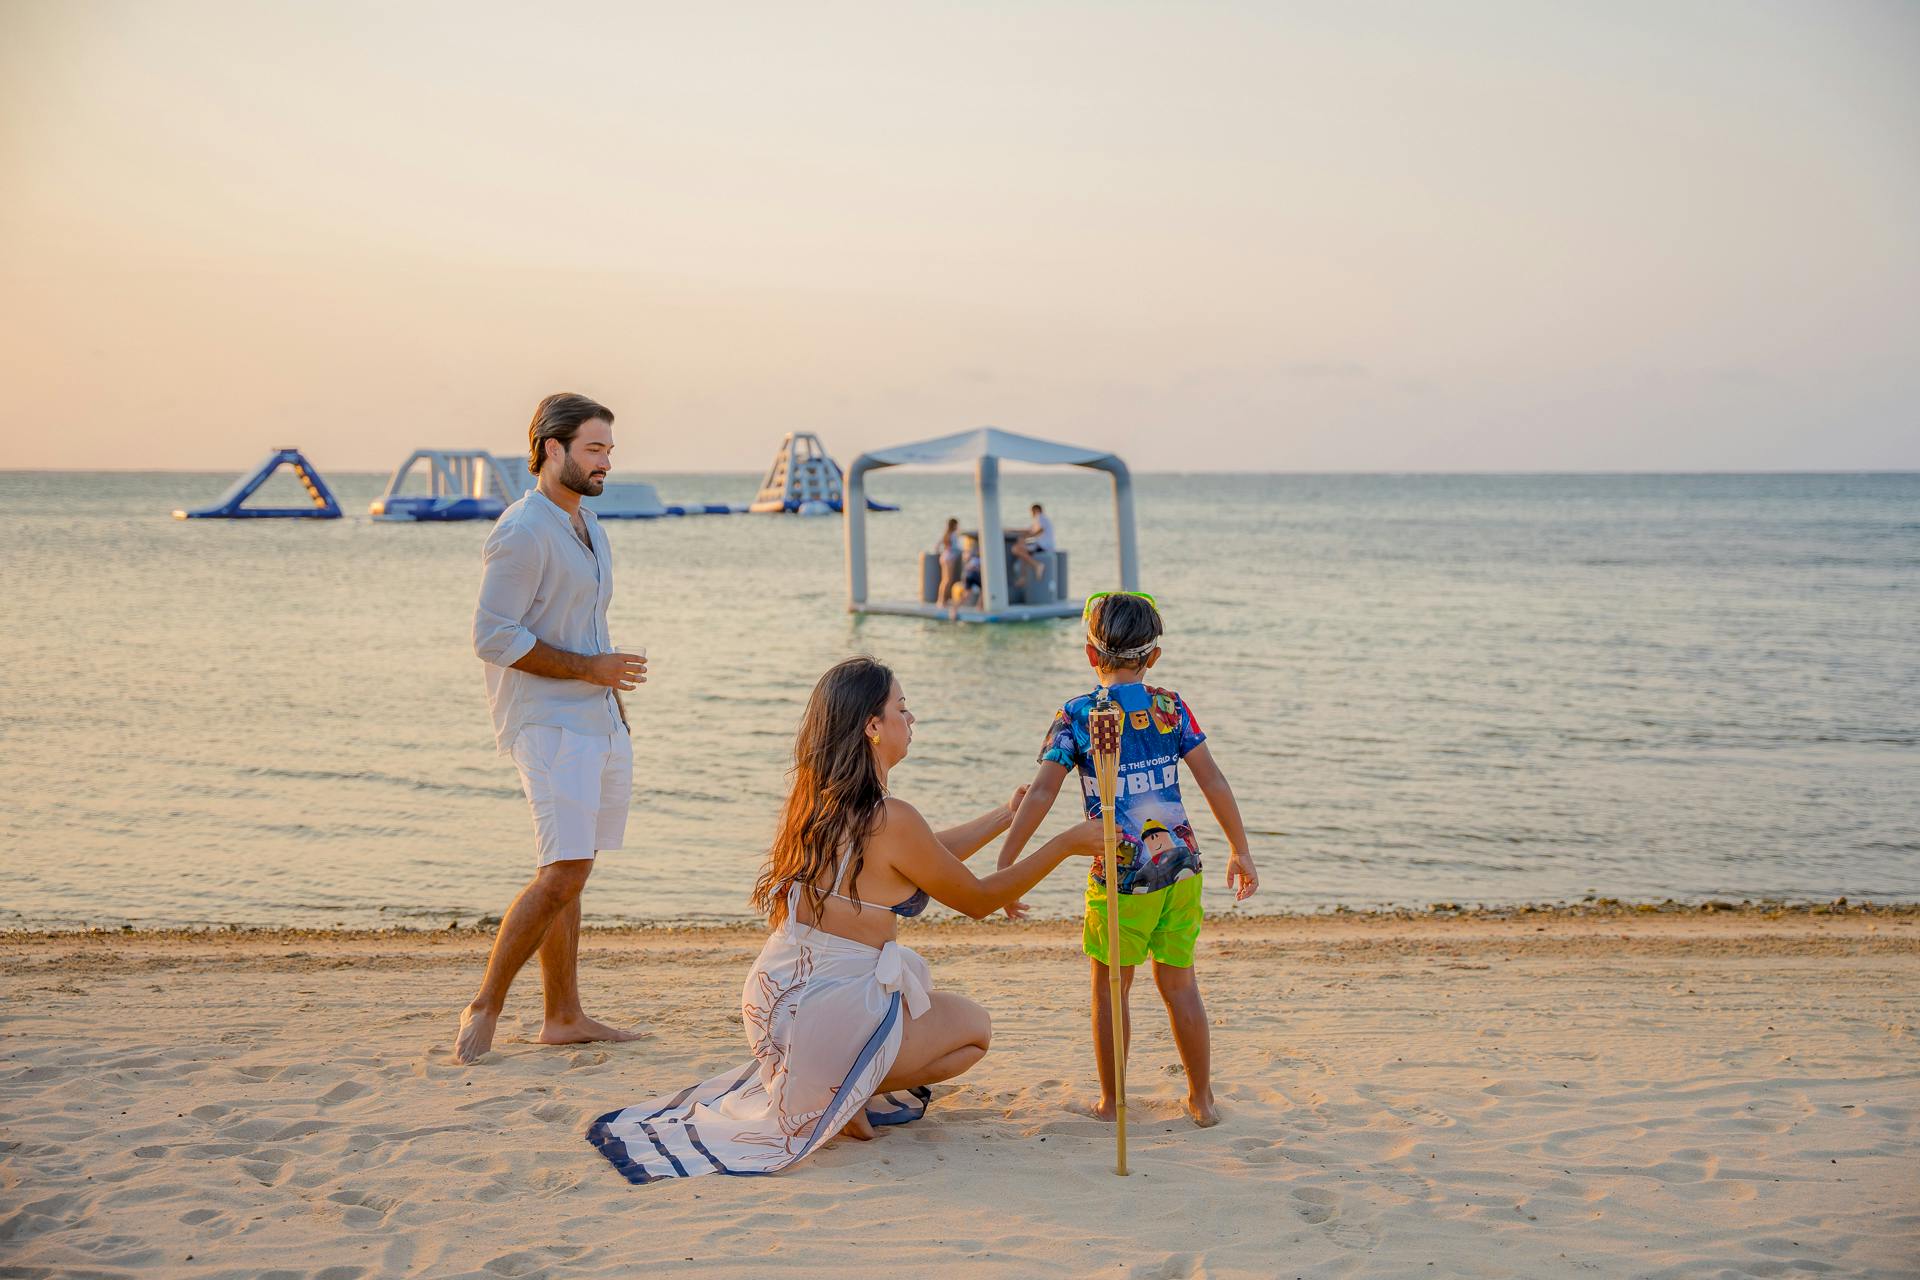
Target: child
pixel 966 592
pixel 1159 858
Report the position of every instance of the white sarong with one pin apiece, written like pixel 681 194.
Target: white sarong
pixel 825 1017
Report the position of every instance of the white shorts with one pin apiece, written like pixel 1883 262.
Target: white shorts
pixel 579 785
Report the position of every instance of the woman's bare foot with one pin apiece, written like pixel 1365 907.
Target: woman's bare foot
pixel 584 1030
pixel 1202 1110
pixel 859 1128
pixel 476 1034
pixel 1103 1109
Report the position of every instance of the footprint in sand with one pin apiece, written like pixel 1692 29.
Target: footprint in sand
pixel 1321 1208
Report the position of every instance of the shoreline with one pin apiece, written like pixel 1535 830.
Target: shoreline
pixel 1601 909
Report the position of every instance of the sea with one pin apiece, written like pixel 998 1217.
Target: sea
pixel 1467 689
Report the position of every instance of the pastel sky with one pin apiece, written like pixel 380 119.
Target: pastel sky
pixel 1630 235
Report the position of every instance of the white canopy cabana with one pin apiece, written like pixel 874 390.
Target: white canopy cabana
pixel 985 448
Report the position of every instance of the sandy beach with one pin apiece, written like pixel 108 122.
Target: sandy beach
pixel 1591 1093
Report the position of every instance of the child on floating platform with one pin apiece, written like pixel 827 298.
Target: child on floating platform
pixel 1159 875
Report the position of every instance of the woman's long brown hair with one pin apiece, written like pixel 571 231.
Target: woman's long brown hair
pixel 835 799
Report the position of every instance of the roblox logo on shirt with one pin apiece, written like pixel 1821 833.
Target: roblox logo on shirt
pixel 1135 782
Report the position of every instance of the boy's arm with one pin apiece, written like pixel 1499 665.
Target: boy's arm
pixel 1027 819
pixel 1241 877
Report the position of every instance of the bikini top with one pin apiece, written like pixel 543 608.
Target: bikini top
pixel 913 906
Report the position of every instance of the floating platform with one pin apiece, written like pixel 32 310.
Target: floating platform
pixel 1001 598
pixel 232 503
pixel 638 500
pixel 472 484
pixel 462 484
pixel 804 480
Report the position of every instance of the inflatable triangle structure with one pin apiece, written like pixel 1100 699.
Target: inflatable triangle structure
pixel 232 503
pixel 803 475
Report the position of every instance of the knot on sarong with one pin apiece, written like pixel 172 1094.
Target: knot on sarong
pixel 899 969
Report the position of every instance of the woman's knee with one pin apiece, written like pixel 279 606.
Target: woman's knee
pixel 976 1025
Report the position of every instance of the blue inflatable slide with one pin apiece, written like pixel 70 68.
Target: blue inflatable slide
pixel 231 505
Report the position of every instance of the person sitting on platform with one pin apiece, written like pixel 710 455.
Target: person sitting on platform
pixel 1037 536
pixel 965 593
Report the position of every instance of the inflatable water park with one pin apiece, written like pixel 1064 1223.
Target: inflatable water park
pixel 439 485
pixel 232 505
pixel 472 484
pixel 1004 595
pixel 804 480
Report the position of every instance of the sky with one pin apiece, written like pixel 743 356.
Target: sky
pixel 1636 235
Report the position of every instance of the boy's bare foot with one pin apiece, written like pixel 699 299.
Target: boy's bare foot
pixel 584 1030
pixel 476 1034
pixel 1203 1112
pixel 859 1128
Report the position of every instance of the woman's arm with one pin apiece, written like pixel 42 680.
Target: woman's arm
pixel 919 858
pixel 969 838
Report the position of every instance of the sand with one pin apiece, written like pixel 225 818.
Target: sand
pixel 1626 1094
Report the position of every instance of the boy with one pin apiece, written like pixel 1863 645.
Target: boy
pixel 1159 877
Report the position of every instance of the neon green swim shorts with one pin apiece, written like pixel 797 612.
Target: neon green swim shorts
pixel 1164 924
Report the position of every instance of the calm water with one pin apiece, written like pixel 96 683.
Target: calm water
pixel 1475 689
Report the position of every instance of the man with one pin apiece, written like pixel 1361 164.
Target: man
pixel 1037 536
pixel 541 628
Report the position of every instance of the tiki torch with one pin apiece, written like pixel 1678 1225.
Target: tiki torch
pixel 1103 727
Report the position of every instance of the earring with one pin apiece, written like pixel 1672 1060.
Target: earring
pixel 874 738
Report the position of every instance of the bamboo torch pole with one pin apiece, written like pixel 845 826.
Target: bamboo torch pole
pixel 1103 727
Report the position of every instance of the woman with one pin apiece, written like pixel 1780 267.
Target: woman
pixel 947 552
pixel 845 1027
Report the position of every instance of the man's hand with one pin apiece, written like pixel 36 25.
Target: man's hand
pixel 1241 877
pixel 616 670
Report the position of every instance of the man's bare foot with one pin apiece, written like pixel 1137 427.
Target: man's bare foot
pixel 584 1030
pixel 476 1034
pixel 1203 1112
pixel 859 1128
pixel 1103 1109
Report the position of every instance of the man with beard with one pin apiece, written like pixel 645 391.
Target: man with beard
pixel 541 628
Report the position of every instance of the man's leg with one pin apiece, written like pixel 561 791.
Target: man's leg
pixel 566 1022
pixel 553 889
pixel 1025 557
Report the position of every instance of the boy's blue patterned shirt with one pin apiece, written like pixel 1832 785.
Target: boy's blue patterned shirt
pixel 1156 840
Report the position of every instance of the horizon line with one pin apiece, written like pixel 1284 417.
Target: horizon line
pixel 1138 471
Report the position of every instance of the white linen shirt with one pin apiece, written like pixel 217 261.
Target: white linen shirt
pixel 1043 540
pixel 540 582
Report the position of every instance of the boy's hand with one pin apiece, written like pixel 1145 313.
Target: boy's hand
pixel 1019 794
pixel 1015 910
pixel 1241 877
